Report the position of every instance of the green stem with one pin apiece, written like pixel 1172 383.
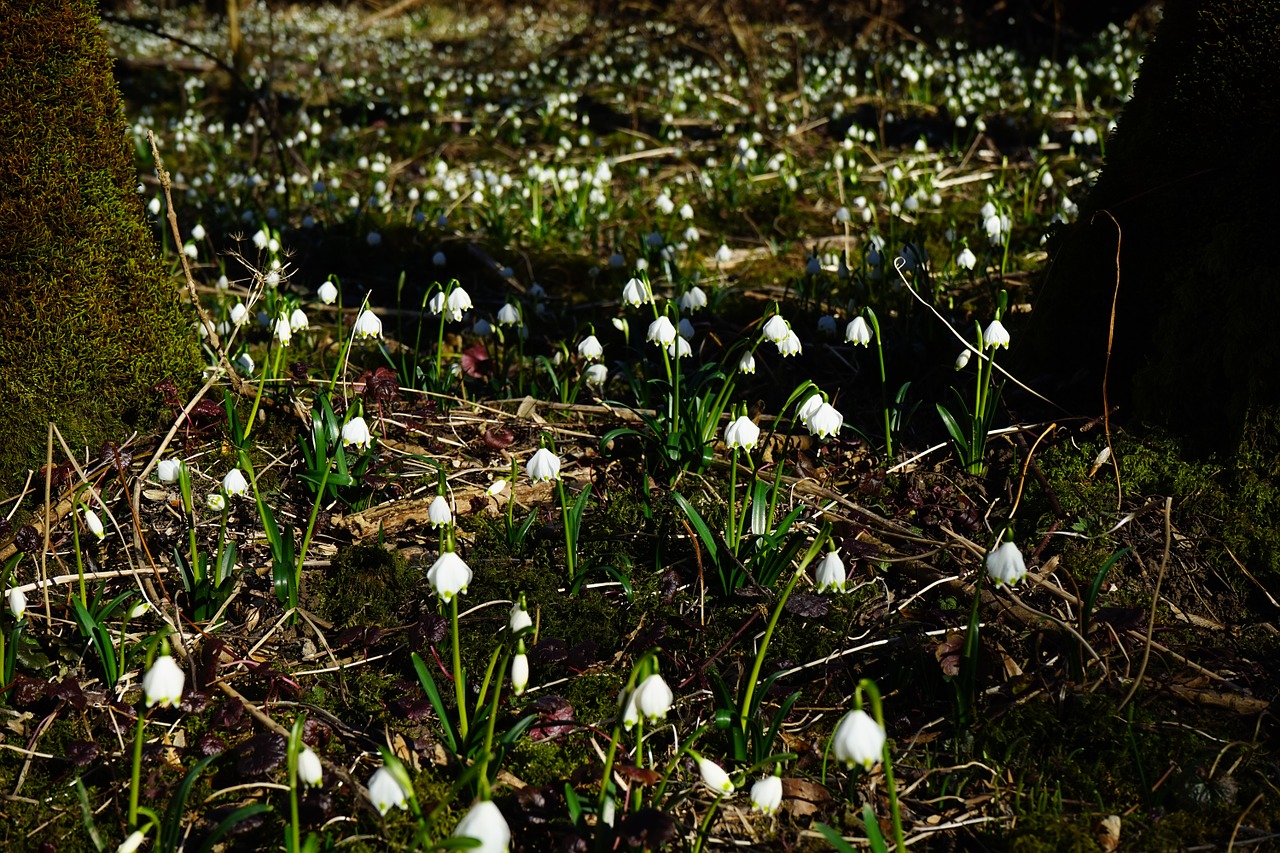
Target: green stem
pixel 570 539
pixel 483 784
pixel 135 785
pixel 75 535
pixel 270 369
pixel 295 832
pixel 884 386
pixel 895 814
pixel 311 522
pixel 733 503
pixel 744 710
pixel 459 686
pixel 706 824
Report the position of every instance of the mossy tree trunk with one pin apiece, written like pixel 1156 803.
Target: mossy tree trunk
pixel 92 320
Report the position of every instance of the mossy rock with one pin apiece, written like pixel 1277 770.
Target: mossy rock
pixel 1189 191
pixel 92 319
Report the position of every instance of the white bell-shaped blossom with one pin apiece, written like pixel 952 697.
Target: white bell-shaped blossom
pixel 966 260
pixel 596 375
pixel 519 673
pixel 858 739
pixel 163 683
pixel 310 771
pixel 167 470
pixel 449 575
pixel 996 335
pixel 858 332
pixel 17 602
pixel 776 329
pixel 519 619
pixel 458 303
pixel 590 348
pixel 283 331
pixel 1005 564
pixel 636 293
pixel 436 303
pixel 790 345
pixel 693 299
pixel 543 466
pixel 356 432
pixel 825 421
pixel 239 314
pixel 679 348
pixel 94 524
pixel 368 325
pixel 438 513
pixel 742 433
pixel 234 484
pixel 298 321
pixel 215 501
pixel 807 409
pixel 508 315
pixel 831 574
pixel 766 795
pixel 484 823
pixel 747 364
pixel 661 331
pixel 714 777
pixel 328 293
pixel 385 792
pixel 651 700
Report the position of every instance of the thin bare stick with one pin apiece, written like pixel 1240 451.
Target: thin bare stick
pixel 1155 601
pixel 1106 367
pixel 210 328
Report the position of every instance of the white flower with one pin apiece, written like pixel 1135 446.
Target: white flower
pixel 133 842
pixel 519 619
pixel 328 293
pixel 742 433
pixel 519 673
pixel 167 470
pixel 368 325
pixel 693 299
pixel 858 740
pixel 17 602
pixel 239 314
pixel 356 431
pixel 94 524
pixel 543 466
pixel 597 375
pixel 966 260
pixel 234 484
pixel 139 610
pixel 714 777
pixel 298 320
pixel 996 335
pixel 993 226
pixel 245 361
pixel 723 254
pixel 508 315
pixel 385 791
pixel 439 514
pixel 664 204
pixel 790 345
pixel 776 329
pixel 811 404
pixel 825 421
pixel 679 348
pixel 962 360
pixel 766 794
pixel 651 700
pixel 310 772
pixel 635 293
pixel 458 303
pixel 661 331
pixel 686 211
pixel 283 332
pixel 590 348
pixel 215 501
pixel 198 232
pixel 1005 564
pixel 858 332
pixel 449 575
pixel 831 574
pixel 496 488
pixel 485 823
pixel 163 682
pixel 747 364
pixel 436 303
